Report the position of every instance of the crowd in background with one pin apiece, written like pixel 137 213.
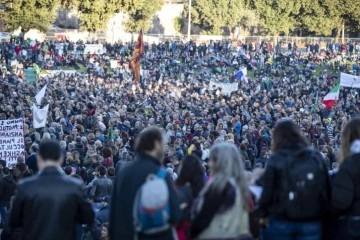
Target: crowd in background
pixel 96 115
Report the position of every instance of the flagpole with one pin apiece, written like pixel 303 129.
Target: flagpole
pixel 189 23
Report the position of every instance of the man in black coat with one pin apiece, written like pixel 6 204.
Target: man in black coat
pixel 31 160
pixel 150 147
pixel 7 190
pixel 51 204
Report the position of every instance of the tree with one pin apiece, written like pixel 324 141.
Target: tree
pixel 313 17
pixel 69 4
pixel 276 16
pixel 140 13
pixel 345 12
pixel 95 14
pixel 178 24
pixel 214 16
pixel 27 14
pixel 249 20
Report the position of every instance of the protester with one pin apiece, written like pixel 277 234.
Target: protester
pixel 31 160
pixel 131 182
pixel 65 209
pixel 188 185
pixel 7 190
pixel 296 187
pixel 345 198
pixel 222 210
pixel 101 186
pixel 201 95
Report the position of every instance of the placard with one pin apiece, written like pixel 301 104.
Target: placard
pixel 30 75
pixel 113 63
pixel 11 140
pixel 348 80
pixel 227 88
pixel 94 49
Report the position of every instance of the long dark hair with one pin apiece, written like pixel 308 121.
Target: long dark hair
pixel 193 173
pixel 286 133
pixel 350 133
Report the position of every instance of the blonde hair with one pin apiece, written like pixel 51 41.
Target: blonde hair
pixel 350 133
pixel 228 165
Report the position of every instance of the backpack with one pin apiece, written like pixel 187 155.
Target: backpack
pixel 151 211
pixel 305 185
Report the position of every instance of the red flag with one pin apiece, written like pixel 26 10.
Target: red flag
pixel 135 60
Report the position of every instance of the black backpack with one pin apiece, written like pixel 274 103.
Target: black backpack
pixel 305 185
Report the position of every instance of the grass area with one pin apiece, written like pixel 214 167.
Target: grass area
pixel 320 69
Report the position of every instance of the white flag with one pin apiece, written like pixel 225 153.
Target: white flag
pixel 40 116
pixel 40 95
pixel 348 80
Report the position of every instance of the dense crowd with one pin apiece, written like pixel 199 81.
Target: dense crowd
pixel 97 115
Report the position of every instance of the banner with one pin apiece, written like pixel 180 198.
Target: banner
pixel 135 60
pixel 53 73
pixel 40 95
pixel 348 80
pixel 144 73
pixel 30 75
pixel 94 49
pixel 227 88
pixel 11 140
pixel 40 116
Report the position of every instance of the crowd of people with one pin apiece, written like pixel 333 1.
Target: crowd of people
pixel 213 145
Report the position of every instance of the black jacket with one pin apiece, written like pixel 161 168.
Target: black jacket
pixel 7 190
pixel 32 164
pixel 102 187
pixel 127 183
pixel 49 206
pixel 345 199
pixel 271 203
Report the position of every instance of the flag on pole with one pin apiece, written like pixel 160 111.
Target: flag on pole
pixel 331 98
pixel 40 95
pixel 135 60
pixel 40 116
pixel 241 73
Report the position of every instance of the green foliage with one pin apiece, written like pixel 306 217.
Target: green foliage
pixel 27 14
pixel 69 4
pixel 276 15
pixel 313 17
pixel 178 24
pixel 215 16
pixel 344 12
pixel 140 13
pixel 96 13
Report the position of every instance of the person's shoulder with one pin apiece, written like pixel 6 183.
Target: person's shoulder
pixel 29 181
pixel 72 181
pixel 351 163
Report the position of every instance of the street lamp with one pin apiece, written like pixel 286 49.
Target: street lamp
pixel 189 23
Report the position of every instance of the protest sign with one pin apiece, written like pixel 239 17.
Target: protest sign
pixel 30 75
pixel 11 140
pixel 113 63
pixel 53 73
pixel 227 88
pixel 94 49
pixel 144 73
pixel 348 80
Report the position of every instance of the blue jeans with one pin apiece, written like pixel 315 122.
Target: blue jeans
pixel 284 230
pixel 4 214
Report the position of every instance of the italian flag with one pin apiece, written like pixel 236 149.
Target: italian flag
pixel 331 98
